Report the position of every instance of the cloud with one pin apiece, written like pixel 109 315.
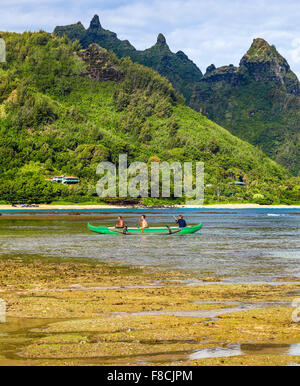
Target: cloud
pixel 295 51
pixel 209 31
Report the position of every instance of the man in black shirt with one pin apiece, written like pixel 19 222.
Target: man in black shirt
pixel 181 222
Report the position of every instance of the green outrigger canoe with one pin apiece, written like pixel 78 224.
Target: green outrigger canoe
pixel 154 230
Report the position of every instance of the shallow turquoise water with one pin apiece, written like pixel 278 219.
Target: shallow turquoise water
pixel 248 245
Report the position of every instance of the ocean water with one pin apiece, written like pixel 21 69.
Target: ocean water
pixel 241 246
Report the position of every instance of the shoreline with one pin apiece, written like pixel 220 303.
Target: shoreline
pixel 82 208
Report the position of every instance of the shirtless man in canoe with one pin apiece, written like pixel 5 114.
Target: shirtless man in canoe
pixel 143 223
pixel 120 223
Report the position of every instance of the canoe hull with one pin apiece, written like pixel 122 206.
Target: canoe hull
pixel 137 231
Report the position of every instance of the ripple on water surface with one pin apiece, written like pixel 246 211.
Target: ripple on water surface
pixel 240 245
pixel 247 349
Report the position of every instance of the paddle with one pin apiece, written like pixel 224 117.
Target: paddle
pixel 123 231
pixel 172 232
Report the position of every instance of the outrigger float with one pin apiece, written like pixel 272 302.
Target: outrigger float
pixel 152 230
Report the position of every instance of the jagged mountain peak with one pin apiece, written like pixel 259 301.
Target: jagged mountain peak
pixel 260 43
pixel 210 69
pixel 182 55
pixel 262 51
pixel 161 39
pixel 76 30
pixel 161 43
pixel 140 114
pixel 178 68
pixel 259 101
pixel 95 23
pixel 264 63
pixel 79 24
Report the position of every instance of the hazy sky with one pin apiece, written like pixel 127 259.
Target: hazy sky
pixel 208 31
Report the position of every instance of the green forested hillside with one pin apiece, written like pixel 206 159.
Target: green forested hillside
pixel 64 109
pixel 259 101
pixel 177 67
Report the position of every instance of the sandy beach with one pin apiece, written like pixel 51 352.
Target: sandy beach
pixel 106 207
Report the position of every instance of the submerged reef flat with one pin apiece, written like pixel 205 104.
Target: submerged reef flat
pixel 82 312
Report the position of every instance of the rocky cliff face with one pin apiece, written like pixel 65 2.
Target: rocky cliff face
pixel 259 101
pixel 178 68
pixel 96 34
pixel 263 63
pixel 100 67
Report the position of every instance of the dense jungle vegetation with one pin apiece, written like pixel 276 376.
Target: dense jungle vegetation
pixel 64 110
